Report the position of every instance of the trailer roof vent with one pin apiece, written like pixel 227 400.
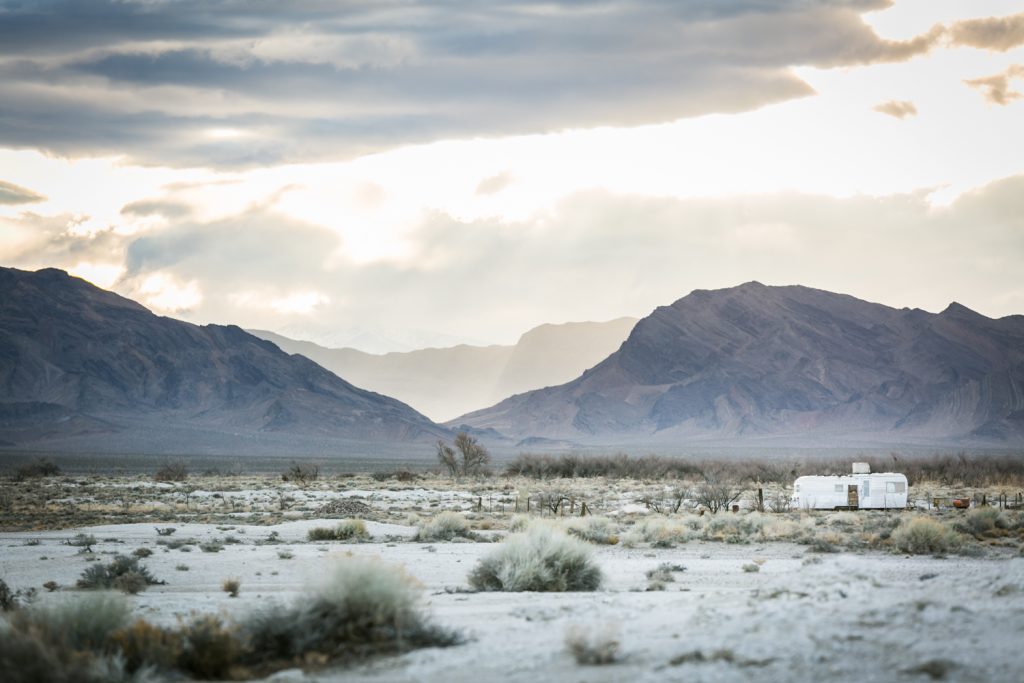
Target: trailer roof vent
pixel 861 468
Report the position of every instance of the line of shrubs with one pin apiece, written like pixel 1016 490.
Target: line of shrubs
pixel 951 469
pixel 364 608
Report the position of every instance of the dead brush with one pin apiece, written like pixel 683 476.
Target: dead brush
pixel 593 646
pixel 231 586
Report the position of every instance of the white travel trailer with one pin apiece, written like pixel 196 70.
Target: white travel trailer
pixel 859 491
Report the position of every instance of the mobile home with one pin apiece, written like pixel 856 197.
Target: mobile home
pixel 858 491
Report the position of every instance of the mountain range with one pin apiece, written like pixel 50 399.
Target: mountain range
pixel 445 382
pixel 85 370
pixel 791 364
pixel 82 368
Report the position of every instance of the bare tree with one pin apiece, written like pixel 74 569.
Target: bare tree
pixel 172 470
pixel 470 459
pixel 446 456
pixel 474 455
pixel 717 491
pixel 667 502
pixel 301 473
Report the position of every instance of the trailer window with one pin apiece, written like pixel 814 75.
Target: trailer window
pixel 839 488
pixel 895 487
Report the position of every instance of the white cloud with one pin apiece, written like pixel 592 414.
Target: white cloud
pixel 166 294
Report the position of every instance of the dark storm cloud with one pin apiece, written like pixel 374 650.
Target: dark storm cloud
pixel 312 79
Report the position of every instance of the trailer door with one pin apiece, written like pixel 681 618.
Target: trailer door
pixel 852 499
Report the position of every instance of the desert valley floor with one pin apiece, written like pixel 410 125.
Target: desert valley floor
pixel 744 602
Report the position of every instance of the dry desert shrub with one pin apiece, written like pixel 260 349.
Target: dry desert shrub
pixel 659 532
pixel 598 530
pixel 923 535
pixel 145 646
pixel 592 646
pixel 346 530
pixel 301 473
pixel 540 559
pixel 41 467
pixel 982 520
pixel 123 572
pixel 172 470
pixel 231 586
pixel 365 607
pixel 736 528
pixel 444 527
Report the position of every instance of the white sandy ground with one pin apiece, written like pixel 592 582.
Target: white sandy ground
pixel 851 617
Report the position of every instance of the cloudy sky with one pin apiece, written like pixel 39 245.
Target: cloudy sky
pixel 425 172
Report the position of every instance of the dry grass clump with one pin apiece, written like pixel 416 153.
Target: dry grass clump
pixel 599 530
pixel 347 530
pixel 365 607
pixel 123 573
pixel 923 535
pixel 593 647
pixel 444 527
pixel 540 559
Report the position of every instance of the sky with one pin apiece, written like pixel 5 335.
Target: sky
pixel 394 174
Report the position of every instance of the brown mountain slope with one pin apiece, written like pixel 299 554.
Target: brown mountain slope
pixel 81 367
pixel 788 364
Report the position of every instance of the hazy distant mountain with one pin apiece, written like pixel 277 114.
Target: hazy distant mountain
pixel 788 364
pixel 446 382
pixel 371 339
pixel 84 368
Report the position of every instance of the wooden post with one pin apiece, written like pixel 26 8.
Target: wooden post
pixel 760 500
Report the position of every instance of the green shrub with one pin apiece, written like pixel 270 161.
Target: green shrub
pixel 347 530
pixel 924 535
pixel 106 576
pixel 539 559
pixel 981 520
pixel 365 607
pixel 444 527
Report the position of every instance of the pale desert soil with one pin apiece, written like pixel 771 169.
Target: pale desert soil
pixel 801 617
